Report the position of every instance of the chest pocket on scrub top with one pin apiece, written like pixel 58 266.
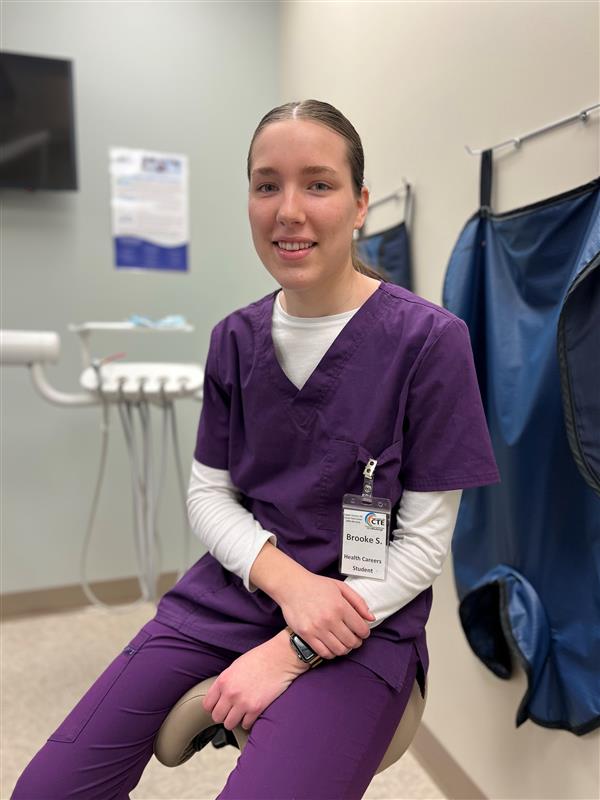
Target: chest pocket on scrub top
pixel 342 472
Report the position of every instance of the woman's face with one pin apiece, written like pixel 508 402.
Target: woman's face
pixel 301 196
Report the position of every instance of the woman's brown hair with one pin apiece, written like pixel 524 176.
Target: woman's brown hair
pixel 326 114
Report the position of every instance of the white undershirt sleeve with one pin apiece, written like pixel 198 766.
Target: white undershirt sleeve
pixel 425 524
pixel 228 530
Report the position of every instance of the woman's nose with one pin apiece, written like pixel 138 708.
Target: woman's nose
pixel 290 209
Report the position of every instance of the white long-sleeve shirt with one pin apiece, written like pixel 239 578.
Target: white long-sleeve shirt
pixel 423 526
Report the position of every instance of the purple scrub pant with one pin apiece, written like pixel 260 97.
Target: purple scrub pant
pixel 322 739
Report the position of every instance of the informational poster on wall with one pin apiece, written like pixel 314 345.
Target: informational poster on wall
pixel 149 209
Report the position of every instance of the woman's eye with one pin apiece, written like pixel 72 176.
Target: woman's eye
pixel 264 188
pixel 321 185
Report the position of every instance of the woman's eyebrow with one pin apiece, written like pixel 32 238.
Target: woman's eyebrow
pixel 317 169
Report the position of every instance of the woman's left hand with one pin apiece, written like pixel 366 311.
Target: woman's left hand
pixel 251 683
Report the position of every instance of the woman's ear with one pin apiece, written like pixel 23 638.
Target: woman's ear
pixel 363 207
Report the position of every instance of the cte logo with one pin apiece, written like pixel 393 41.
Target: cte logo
pixel 374 522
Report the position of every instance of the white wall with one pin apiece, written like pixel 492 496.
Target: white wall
pixel 419 81
pixel 180 77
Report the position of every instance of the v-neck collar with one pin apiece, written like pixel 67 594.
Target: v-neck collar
pixel 302 404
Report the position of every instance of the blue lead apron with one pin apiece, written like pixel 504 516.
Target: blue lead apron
pixel 388 251
pixel 527 552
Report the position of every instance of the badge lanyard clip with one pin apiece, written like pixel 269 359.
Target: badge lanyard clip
pixel 369 476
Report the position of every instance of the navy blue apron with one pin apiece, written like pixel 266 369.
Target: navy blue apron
pixel 388 252
pixel 527 551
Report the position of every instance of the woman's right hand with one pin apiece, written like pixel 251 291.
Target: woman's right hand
pixel 326 613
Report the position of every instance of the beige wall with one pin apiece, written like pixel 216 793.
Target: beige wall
pixel 419 81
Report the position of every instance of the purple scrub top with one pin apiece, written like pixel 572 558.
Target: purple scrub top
pixel 397 384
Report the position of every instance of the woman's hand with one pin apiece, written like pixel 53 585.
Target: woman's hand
pixel 251 683
pixel 326 613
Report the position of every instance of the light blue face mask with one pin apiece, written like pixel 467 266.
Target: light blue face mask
pixel 171 321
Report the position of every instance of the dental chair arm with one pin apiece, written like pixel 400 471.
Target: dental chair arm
pixel 54 395
pixel 33 349
pixel 28 347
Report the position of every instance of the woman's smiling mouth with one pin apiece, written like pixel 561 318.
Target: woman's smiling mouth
pixel 293 250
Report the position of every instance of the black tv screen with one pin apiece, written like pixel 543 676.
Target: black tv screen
pixel 37 122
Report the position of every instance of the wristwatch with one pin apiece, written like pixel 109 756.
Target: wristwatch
pixel 304 652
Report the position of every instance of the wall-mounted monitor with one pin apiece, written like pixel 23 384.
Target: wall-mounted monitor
pixel 37 122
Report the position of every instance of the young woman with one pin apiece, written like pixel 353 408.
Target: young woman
pixel 302 389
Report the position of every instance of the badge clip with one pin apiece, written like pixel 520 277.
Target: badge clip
pixel 369 476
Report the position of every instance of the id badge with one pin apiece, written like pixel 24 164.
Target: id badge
pixel 365 531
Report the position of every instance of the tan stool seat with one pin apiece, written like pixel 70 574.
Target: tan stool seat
pixel 174 743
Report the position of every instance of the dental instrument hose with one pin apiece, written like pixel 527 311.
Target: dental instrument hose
pixel 145 490
pixel 139 497
pixel 104 428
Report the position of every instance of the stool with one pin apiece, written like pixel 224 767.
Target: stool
pixel 188 728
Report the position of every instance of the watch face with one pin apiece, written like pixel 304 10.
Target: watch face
pixel 305 651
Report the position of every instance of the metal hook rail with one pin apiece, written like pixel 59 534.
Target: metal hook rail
pixel 397 195
pixel 518 140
